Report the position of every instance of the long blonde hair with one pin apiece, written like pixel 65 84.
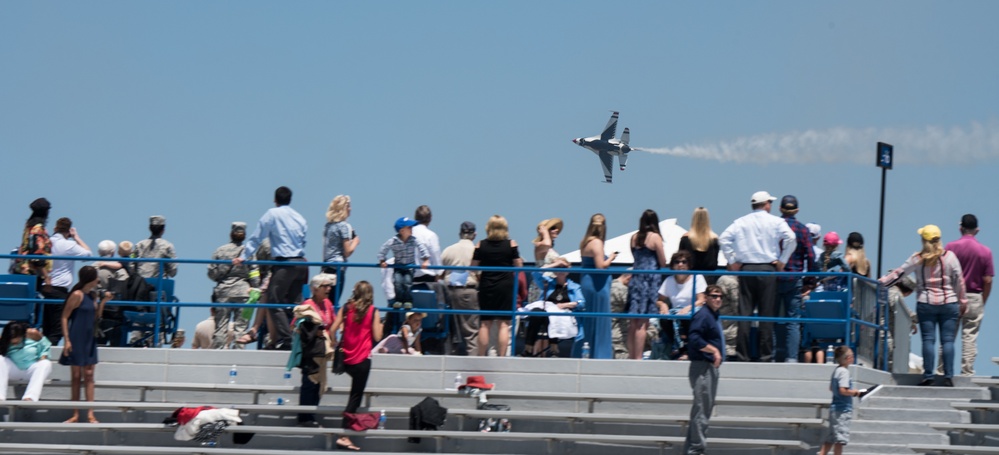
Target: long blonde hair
pixel 700 233
pixel 361 299
pixel 860 262
pixel 597 229
pixel 932 250
pixel 337 211
pixel 497 229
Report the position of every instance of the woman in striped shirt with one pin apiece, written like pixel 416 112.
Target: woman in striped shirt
pixel 940 299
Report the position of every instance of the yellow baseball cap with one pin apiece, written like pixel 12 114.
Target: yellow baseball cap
pixel 929 232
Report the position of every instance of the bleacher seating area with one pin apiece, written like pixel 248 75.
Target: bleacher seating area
pixel 557 406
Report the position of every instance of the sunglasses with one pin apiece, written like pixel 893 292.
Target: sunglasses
pixel 326 285
pixel 715 296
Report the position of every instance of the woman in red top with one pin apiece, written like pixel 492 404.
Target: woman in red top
pixel 360 323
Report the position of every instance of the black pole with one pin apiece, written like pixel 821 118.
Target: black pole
pixel 881 222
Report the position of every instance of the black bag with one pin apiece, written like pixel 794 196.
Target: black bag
pixel 339 367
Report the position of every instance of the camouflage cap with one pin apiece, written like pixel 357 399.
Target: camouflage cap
pixel 157 220
pixel 238 226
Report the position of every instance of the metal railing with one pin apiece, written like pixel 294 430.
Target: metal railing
pixel 864 327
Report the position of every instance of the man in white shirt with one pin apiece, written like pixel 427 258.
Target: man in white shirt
pixel 430 241
pixel 65 242
pixel 757 242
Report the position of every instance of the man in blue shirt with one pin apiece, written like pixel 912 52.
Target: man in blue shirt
pixel 706 343
pixel 286 230
pixel 789 301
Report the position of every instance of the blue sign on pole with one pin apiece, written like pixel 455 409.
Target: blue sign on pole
pixel 885 152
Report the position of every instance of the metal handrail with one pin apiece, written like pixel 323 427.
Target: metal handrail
pixel 850 322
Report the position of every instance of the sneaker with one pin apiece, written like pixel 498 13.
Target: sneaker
pixel 926 382
pixel 947 382
pixel 310 424
pixel 866 393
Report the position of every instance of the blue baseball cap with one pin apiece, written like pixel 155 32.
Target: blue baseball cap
pixel 404 222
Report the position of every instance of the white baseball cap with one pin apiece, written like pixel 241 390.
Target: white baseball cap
pixel 760 197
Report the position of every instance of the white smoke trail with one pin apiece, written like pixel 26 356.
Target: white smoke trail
pixel 929 145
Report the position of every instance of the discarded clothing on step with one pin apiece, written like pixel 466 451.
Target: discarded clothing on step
pixel 191 429
pixel 426 415
pixel 181 416
pixel 209 433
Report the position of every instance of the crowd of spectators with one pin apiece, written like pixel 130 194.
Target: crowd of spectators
pixel 782 246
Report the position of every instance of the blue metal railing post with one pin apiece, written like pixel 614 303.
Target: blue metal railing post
pixel 161 271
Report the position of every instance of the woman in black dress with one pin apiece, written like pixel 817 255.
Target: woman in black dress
pixel 702 243
pixel 496 288
pixel 79 350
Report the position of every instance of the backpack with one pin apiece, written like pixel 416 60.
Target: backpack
pixel 138 290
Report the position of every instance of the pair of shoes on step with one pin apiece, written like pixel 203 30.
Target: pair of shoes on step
pixel 947 382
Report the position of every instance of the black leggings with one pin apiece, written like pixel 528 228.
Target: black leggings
pixel 359 380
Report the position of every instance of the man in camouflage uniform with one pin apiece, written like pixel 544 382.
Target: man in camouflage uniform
pixel 619 304
pixel 158 248
pixel 730 307
pixel 232 285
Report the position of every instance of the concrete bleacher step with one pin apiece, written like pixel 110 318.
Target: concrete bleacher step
pixel 900 438
pixel 953 393
pixel 912 415
pixel 879 449
pixel 900 416
pixel 878 401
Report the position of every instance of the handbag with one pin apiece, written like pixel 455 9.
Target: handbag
pixel 360 421
pixel 339 367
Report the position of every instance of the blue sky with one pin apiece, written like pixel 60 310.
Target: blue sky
pixel 197 110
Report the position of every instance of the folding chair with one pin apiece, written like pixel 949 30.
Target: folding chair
pixel 18 287
pixel 435 326
pixel 825 305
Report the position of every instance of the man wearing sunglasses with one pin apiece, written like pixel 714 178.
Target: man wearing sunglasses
pixel 706 344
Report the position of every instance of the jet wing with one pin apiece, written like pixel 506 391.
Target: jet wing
pixel 611 129
pixel 607 162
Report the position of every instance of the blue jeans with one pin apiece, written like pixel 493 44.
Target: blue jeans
pixel 788 335
pixel 944 317
pixel 403 281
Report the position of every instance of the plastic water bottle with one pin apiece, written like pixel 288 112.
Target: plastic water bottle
pixel 232 374
pixel 586 350
pixel 457 381
pixel 830 353
pixel 381 419
pixel 286 379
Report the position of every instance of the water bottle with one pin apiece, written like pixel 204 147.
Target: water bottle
pixel 586 350
pixel 247 311
pixel 286 379
pixel 232 374
pixel 381 419
pixel 457 381
pixel 830 353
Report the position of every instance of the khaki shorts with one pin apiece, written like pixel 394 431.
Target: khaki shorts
pixel 839 427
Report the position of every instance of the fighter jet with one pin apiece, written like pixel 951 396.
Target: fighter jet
pixel 606 147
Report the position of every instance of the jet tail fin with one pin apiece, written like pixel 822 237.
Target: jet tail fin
pixel 622 159
pixel 625 136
